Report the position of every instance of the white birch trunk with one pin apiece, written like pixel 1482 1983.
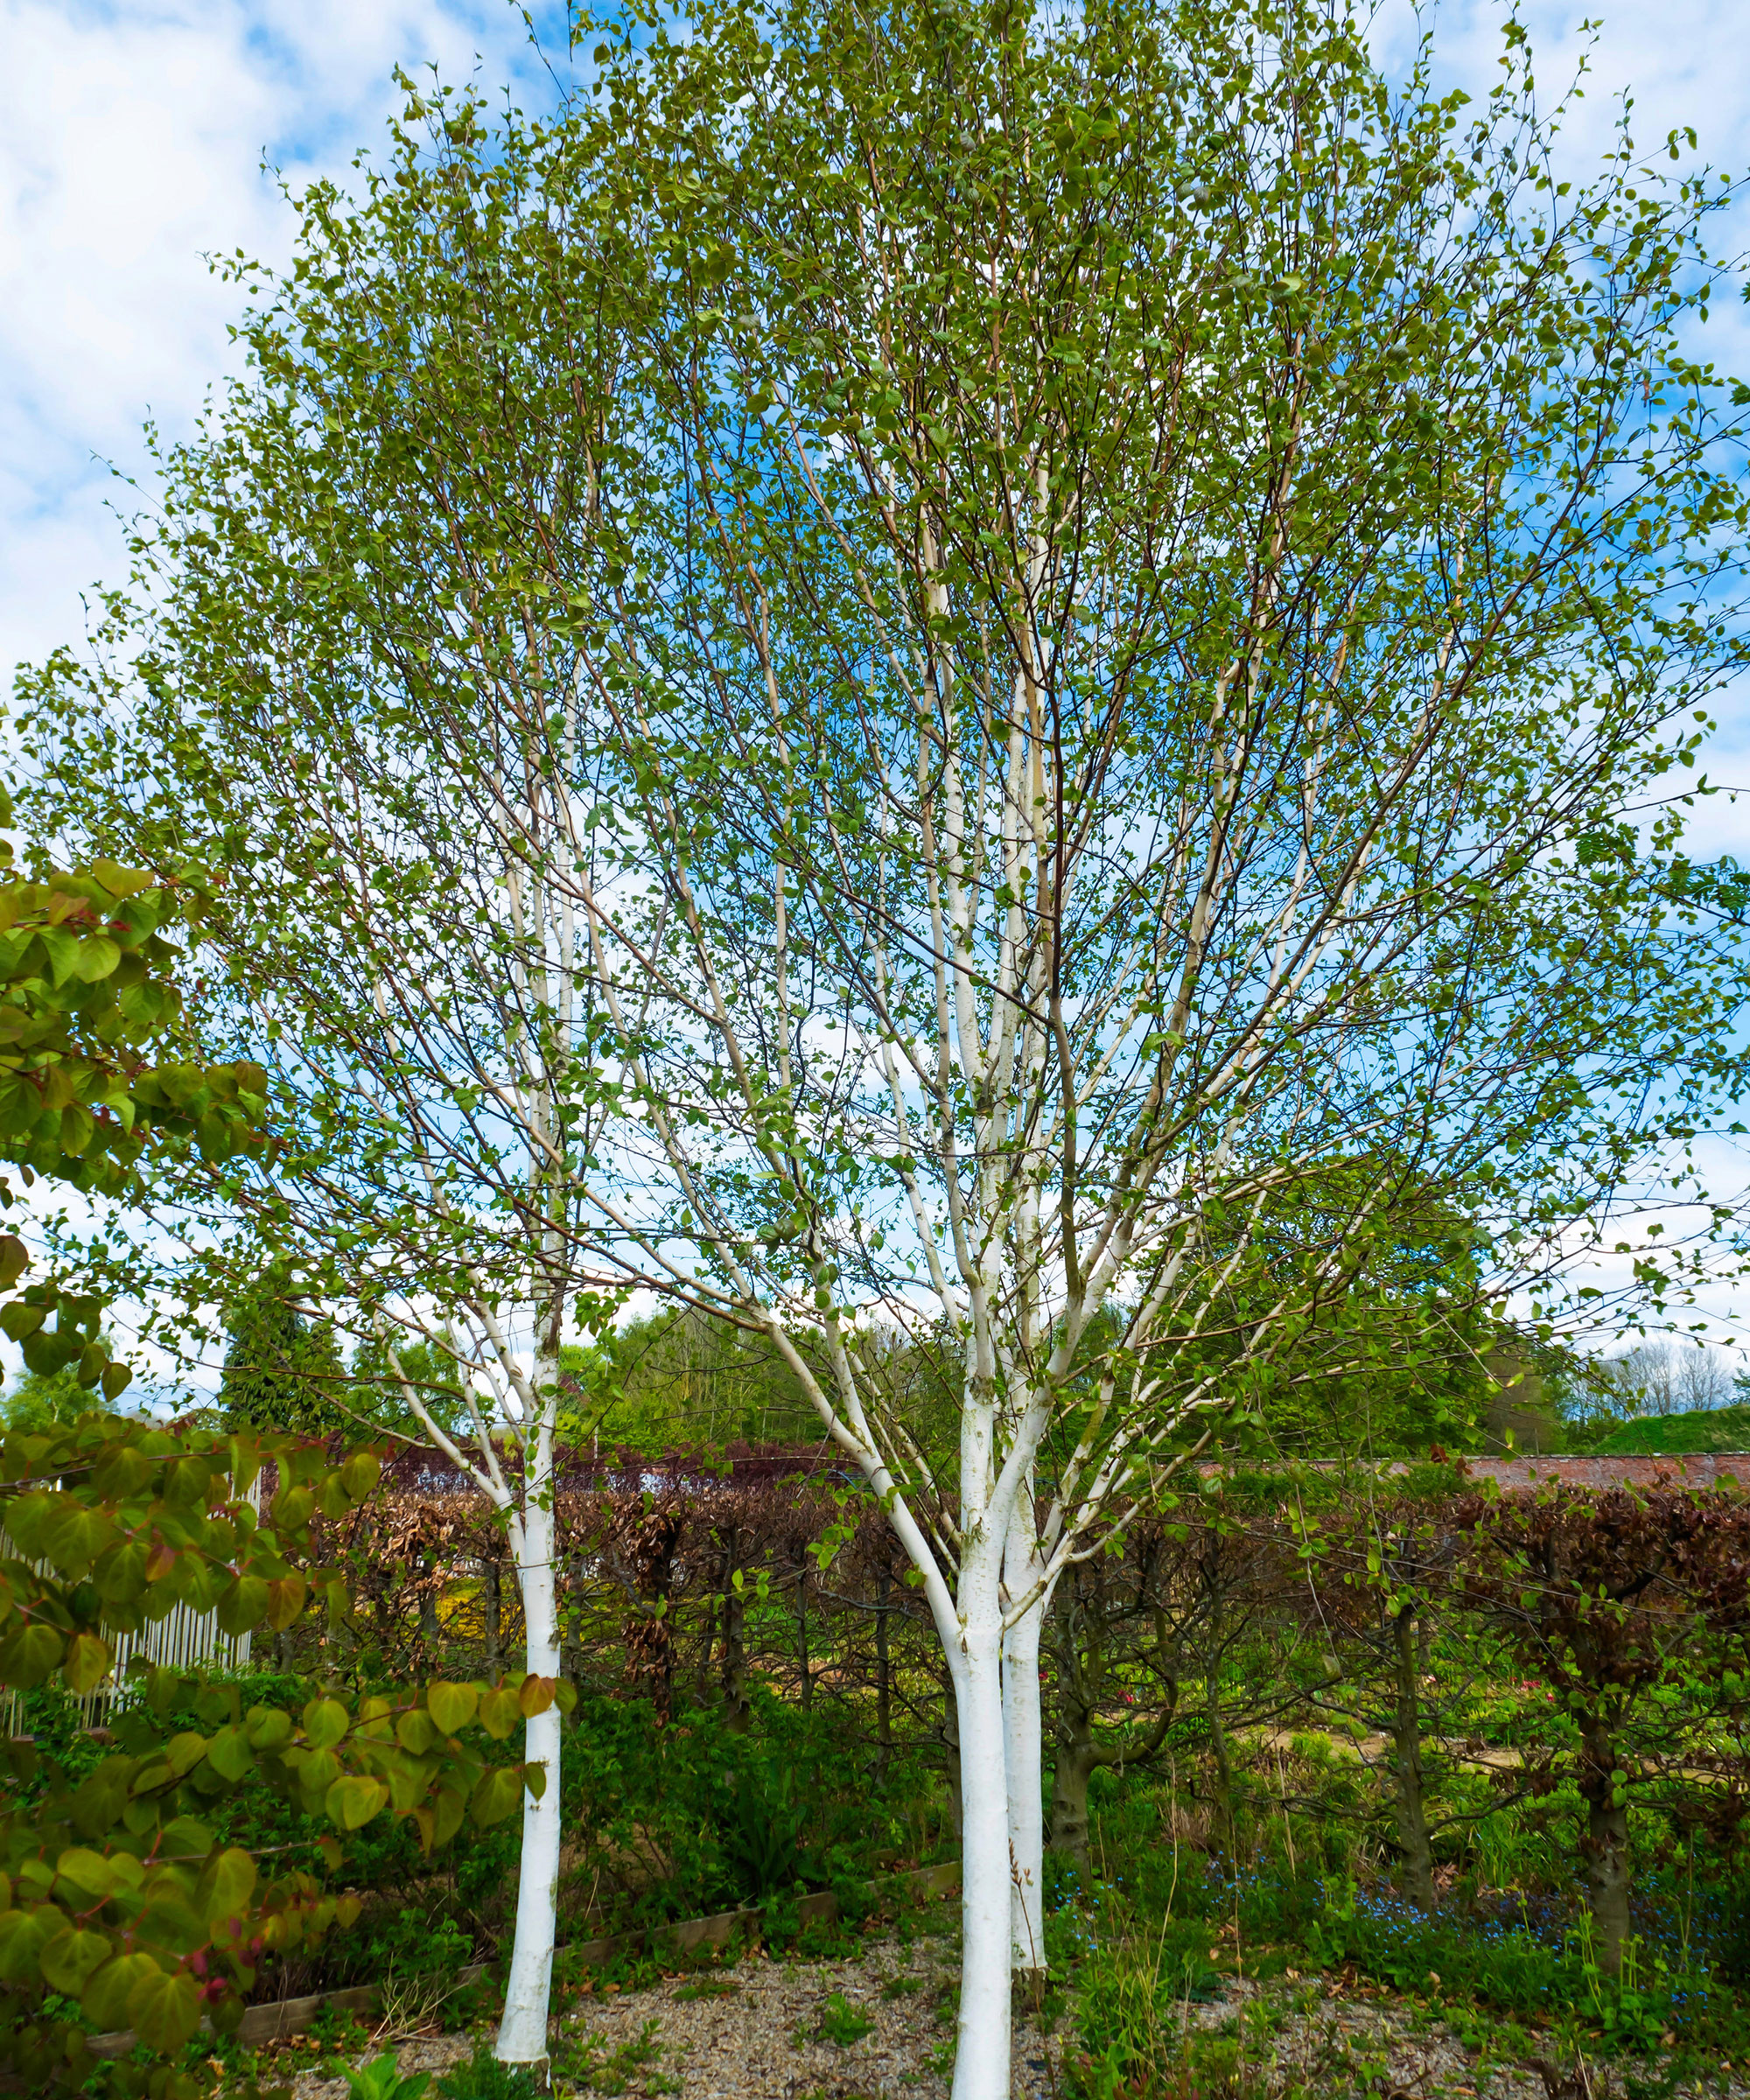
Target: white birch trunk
pixel 1024 1758
pixel 981 2069
pixel 523 2033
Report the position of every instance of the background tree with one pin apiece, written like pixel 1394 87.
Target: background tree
pixel 1401 1363
pixel 381 1375
pixel 35 1400
pixel 904 676
pixel 281 1369
pixel 680 1379
pixel 1671 1378
pixel 1607 1597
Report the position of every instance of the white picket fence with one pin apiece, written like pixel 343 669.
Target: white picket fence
pixel 183 1639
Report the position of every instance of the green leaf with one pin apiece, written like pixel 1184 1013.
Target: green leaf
pixel 268 1727
pixel 164 2011
pixel 360 1474
pixel 87 1665
pixel 352 1802
pixel 106 1996
pixel 497 1794
pixel 170 1920
pixel 500 1710
pixel 86 1873
pixel 120 881
pixel 416 1733
pixel 325 1721
pixel 535 1694
pixel 452 1706
pixel 449 1808
pixel 14 1259
pixel 70 1957
pixel 243 1605
pixel 230 1755
pixel 185 1838
pixel 286 1596
pixel 22 1934
pixel 381 2080
pixel 227 1885
pixel 30 1655
pixel 60 952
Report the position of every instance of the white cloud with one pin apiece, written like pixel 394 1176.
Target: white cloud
pixel 132 138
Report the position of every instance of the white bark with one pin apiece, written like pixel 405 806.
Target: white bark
pixel 1028 1594
pixel 982 2064
pixel 523 2033
pixel 1025 1763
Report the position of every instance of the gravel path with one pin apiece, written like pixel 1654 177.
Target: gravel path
pixel 764 2041
pixel 755 2032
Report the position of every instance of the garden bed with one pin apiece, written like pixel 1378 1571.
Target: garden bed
pixel 880 2027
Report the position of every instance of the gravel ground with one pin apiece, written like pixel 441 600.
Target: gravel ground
pixel 1340 2038
pixel 760 2038
pixel 764 2041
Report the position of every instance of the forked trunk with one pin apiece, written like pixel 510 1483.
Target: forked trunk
pixel 522 2033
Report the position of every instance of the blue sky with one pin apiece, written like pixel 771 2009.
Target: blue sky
pixel 131 139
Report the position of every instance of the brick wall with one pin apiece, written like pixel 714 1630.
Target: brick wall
pixel 1691 1469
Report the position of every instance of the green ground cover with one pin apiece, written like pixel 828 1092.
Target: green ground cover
pixel 1705 1428
pixel 1505 1958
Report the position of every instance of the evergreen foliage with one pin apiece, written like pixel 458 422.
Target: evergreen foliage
pixel 281 1369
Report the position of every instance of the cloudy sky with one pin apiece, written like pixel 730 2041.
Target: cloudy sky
pixel 132 139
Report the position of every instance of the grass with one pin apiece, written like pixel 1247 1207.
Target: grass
pixel 841 2022
pixel 1706 1429
pixel 706 1986
pixel 586 2064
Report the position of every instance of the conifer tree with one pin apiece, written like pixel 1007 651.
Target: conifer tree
pixel 282 1368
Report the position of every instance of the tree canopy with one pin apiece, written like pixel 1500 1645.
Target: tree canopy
pixel 1030 675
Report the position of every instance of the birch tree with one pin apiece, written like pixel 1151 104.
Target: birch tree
pixel 385 475
pixel 982 670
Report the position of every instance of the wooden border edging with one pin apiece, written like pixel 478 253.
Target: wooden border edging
pixel 278 2018
pixel 919 1886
